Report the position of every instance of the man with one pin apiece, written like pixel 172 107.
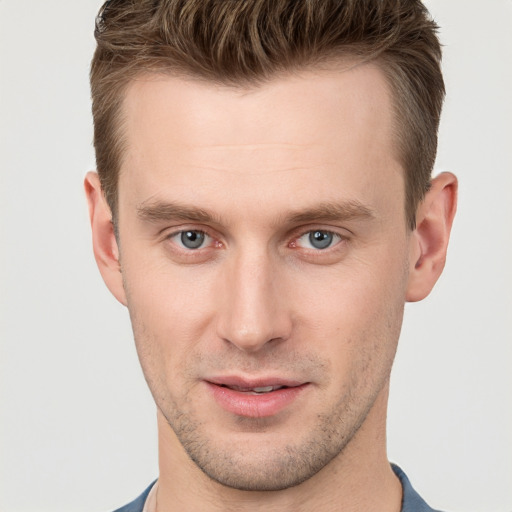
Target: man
pixel 264 208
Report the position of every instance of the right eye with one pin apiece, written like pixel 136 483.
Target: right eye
pixel 191 239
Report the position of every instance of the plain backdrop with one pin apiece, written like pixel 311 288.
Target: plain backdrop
pixel 77 424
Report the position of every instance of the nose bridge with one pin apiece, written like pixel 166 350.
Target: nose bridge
pixel 253 313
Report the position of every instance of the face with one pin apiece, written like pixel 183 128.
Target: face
pixel 264 257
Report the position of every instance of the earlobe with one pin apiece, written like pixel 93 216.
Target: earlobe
pixel 429 241
pixel 106 250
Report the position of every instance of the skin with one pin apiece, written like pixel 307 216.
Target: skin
pixel 257 170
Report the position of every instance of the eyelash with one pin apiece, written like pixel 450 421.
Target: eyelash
pixel 217 243
pixel 336 236
pixel 199 253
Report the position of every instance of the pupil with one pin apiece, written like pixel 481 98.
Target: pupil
pixel 320 239
pixel 192 239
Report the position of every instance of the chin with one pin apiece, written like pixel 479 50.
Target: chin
pixel 265 464
pixel 260 477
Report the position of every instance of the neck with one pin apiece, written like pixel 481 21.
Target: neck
pixel 359 478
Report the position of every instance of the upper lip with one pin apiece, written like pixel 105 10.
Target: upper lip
pixel 253 382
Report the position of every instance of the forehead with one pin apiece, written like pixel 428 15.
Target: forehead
pixel 297 107
pixel 329 129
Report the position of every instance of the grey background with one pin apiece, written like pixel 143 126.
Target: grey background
pixel 77 424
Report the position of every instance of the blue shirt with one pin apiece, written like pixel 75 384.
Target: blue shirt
pixel 411 500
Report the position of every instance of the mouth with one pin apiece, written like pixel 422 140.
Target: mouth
pixel 260 390
pixel 255 398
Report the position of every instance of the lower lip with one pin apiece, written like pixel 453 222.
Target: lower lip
pixel 255 406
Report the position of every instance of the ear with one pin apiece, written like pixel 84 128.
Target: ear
pixel 429 241
pixel 106 250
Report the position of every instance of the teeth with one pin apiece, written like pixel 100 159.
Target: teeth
pixel 265 389
pixel 255 391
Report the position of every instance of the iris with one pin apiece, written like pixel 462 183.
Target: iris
pixel 192 239
pixel 320 239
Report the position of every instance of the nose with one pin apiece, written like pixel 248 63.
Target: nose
pixel 254 311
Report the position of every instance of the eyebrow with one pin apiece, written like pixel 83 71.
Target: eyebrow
pixel 332 211
pixel 164 211
pixel 327 211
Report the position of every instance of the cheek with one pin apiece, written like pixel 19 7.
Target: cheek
pixel 355 313
pixel 168 298
pixel 170 313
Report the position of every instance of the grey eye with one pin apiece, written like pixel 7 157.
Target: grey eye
pixel 320 239
pixel 192 239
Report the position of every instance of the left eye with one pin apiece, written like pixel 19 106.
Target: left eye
pixel 191 239
pixel 318 239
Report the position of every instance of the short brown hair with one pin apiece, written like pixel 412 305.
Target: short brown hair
pixel 244 42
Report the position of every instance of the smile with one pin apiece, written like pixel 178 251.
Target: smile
pixel 255 400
